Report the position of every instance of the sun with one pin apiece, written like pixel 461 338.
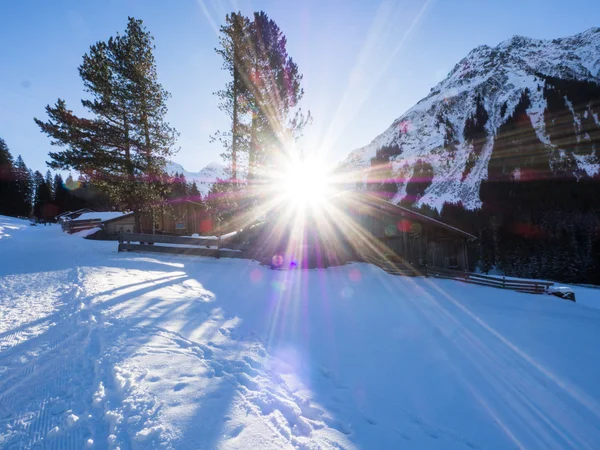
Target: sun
pixel 306 182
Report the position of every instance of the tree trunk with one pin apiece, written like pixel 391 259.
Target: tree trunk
pixel 234 131
pixel 253 148
pixel 137 219
pixel 132 204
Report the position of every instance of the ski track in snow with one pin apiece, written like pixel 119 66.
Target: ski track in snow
pixel 106 350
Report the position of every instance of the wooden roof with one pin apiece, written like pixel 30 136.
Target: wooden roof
pixel 366 199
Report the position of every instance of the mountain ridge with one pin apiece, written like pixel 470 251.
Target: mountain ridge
pixel 204 178
pixel 452 134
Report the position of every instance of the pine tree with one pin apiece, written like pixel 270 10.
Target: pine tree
pixel 61 194
pixel 263 94
pixel 70 183
pixel 38 183
pixel 194 193
pixel 42 205
pixel 124 146
pixel 275 91
pixel 222 203
pixel 23 188
pixel 49 182
pixel 233 99
pixel 7 185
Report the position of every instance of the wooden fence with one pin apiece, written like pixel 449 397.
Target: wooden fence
pixel 180 245
pixel 396 266
pixel 531 287
pixel 73 226
pixel 224 247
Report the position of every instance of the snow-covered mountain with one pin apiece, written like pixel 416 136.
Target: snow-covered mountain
pixel 521 105
pixel 204 179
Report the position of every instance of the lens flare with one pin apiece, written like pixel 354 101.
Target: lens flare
pixel 306 182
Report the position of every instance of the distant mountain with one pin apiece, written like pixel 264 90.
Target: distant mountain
pixel 204 179
pixel 525 108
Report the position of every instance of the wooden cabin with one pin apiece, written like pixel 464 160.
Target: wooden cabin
pixel 117 225
pixel 357 226
pixel 403 235
pixel 184 219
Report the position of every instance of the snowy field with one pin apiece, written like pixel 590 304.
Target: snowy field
pixel 110 350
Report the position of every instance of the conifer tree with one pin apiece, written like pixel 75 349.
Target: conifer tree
pixel 233 99
pixel 194 193
pixel 70 183
pixel 61 194
pixel 7 188
pixel 275 91
pixel 263 94
pixel 50 182
pixel 23 188
pixel 123 146
pixel 42 198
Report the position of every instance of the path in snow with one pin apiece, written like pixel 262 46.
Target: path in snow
pixel 112 350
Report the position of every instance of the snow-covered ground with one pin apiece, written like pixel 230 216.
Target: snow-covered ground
pixel 112 350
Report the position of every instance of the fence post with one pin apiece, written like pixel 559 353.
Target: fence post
pixel 218 247
pixel 503 281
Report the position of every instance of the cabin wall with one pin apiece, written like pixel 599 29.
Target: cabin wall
pixel 185 221
pixel 446 250
pixel 124 225
pixel 405 240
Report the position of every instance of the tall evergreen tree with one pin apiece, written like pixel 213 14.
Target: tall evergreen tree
pixel 61 194
pixel 49 181
pixel 124 146
pixel 263 94
pixel 194 193
pixel 275 91
pixel 42 204
pixel 233 99
pixel 70 183
pixel 23 188
pixel 7 187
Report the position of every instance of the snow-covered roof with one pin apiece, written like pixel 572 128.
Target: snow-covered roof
pixel 70 213
pixel 103 215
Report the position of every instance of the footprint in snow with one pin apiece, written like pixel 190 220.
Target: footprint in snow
pixel 179 386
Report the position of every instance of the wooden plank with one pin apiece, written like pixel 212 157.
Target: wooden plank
pixel 182 250
pixel 512 286
pixel 166 239
pixel 506 283
pixel 487 277
pixel 512 280
pixel 529 290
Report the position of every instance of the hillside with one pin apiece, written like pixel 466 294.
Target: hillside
pixel 525 108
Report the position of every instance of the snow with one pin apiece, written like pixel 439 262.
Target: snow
pixel 114 350
pixel 204 179
pixel 103 215
pixel 588 164
pixel 499 75
pixel 84 233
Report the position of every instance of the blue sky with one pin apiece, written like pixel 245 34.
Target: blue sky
pixel 364 62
